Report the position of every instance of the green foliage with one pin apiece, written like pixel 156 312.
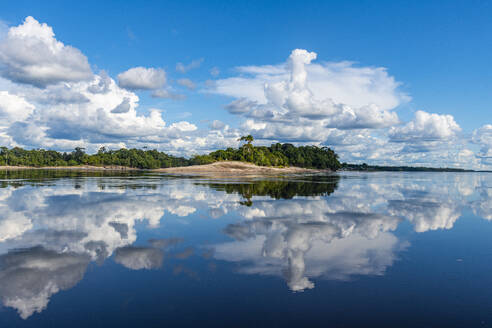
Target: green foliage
pixel 249 138
pixel 137 158
pixel 281 155
pixel 202 160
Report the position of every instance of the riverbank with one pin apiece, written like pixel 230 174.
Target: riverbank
pixel 222 167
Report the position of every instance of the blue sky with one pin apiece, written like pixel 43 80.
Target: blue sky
pixel 436 51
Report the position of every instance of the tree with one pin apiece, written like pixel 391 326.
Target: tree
pixel 249 138
pixel 78 155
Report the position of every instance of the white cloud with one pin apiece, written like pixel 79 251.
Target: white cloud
pixel 30 54
pixel 426 127
pixel 184 126
pixel 86 110
pixel 342 82
pixel 303 101
pixel 183 68
pixel 13 108
pixel 217 125
pixel 215 71
pixel 483 137
pixel 101 84
pixel 186 83
pixel 141 78
pixel 344 106
pixel 74 115
pixel 124 107
pixel 167 94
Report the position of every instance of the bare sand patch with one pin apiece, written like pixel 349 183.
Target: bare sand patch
pixel 237 168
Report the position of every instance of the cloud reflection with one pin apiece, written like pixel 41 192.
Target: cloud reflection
pixel 29 277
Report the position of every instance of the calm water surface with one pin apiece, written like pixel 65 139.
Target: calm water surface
pixel 347 250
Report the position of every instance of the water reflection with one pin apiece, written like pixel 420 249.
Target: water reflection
pixel 29 277
pixel 331 227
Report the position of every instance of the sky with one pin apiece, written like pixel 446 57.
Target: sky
pixel 380 82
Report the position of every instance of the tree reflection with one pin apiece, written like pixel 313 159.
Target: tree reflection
pixel 280 189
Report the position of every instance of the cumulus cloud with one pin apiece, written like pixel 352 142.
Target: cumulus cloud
pixel 101 83
pixel 483 137
pixel 167 94
pixel 302 101
pixel 426 127
pixel 183 68
pixel 186 83
pixel 240 106
pixel 13 108
pixel 57 95
pixel 124 107
pixel 86 110
pixel 141 78
pixel 345 106
pixel 90 114
pixel 217 125
pixel 30 54
pixel 215 71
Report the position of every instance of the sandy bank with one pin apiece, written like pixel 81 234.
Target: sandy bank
pixel 236 168
pixel 218 168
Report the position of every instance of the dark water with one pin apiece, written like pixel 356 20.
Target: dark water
pixel 348 250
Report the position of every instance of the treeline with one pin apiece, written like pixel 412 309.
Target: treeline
pixel 136 158
pixel 276 155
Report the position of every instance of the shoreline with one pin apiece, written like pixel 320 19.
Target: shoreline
pixel 71 168
pixel 221 167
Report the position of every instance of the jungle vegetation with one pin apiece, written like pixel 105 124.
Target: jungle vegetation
pixel 276 155
pixel 135 158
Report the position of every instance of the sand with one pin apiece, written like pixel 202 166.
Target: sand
pixel 237 168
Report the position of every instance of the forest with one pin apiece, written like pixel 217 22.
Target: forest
pixel 280 155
